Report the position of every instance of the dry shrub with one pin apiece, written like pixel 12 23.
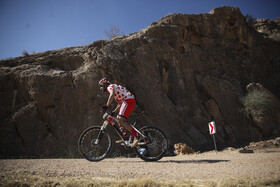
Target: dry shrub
pixel 114 32
pixel 258 104
pixel 35 180
pixel 25 53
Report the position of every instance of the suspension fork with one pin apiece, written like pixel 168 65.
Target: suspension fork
pixel 100 135
pixel 101 132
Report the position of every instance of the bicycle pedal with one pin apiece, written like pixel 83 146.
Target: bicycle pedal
pixel 122 143
pixel 136 141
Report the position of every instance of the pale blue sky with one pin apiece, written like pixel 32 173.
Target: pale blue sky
pixel 42 25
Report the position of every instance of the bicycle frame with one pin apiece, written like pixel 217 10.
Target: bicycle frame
pixel 114 122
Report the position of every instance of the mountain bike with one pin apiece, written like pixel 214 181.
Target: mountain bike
pixel 95 142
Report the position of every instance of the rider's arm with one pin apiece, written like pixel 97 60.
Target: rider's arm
pixel 111 98
pixel 117 108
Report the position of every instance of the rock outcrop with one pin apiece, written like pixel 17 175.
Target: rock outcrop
pixel 184 70
pixel 268 28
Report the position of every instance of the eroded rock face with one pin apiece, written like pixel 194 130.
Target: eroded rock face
pixel 184 70
pixel 268 28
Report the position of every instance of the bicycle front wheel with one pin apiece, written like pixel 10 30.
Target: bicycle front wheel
pixel 94 144
pixel 155 144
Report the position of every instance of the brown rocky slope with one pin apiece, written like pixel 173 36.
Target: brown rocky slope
pixel 184 70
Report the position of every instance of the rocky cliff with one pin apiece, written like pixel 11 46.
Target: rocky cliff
pixel 184 70
pixel 268 28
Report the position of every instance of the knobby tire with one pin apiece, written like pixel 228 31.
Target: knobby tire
pixel 156 146
pixel 91 151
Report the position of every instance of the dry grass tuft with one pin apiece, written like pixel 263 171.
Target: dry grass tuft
pixel 258 104
pixel 35 180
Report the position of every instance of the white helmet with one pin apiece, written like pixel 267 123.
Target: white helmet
pixel 103 82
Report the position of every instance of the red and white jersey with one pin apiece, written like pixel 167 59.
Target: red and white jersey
pixel 120 93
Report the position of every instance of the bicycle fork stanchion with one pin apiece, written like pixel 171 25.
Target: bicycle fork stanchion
pixel 101 132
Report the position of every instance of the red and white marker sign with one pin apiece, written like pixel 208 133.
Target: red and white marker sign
pixel 212 127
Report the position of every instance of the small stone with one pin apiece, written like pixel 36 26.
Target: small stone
pixel 243 150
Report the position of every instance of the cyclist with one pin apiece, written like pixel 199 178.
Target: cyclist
pixel 126 103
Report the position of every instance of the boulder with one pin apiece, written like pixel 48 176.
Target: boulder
pixel 182 149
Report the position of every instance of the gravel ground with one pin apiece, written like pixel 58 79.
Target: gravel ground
pixel 210 165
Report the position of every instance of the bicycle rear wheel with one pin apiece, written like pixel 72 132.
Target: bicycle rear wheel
pixel 155 145
pixel 91 148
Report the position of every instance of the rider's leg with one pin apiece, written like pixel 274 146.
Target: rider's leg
pixel 125 110
pixel 123 123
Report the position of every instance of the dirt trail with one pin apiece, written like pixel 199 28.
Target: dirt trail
pixel 226 164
